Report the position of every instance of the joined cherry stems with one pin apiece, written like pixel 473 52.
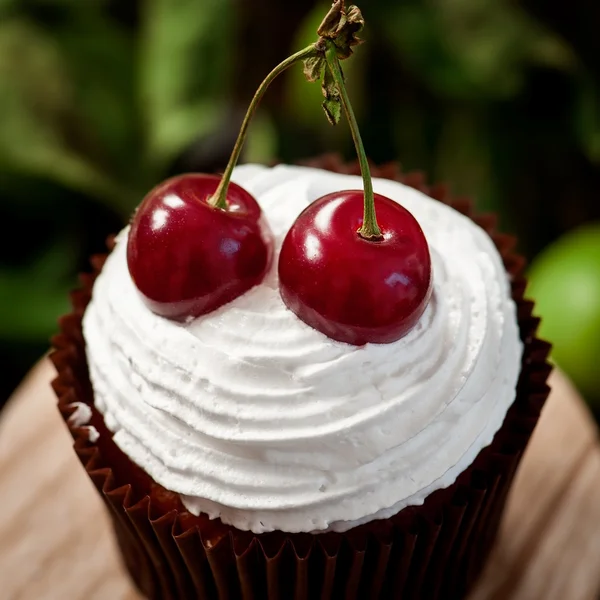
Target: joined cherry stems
pixel 337 36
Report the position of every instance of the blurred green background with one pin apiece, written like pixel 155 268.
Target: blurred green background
pixel 101 99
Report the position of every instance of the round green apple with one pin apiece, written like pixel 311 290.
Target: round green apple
pixel 565 284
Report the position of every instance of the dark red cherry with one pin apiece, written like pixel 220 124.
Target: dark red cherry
pixel 187 257
pixel 351 289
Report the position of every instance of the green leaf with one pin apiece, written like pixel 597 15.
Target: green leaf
pixel 185 64
pixel 36 112
pixel 333 110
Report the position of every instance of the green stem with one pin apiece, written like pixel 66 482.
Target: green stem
pixel 370 229
pixel 219 200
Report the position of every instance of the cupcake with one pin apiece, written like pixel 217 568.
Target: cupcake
pixel 245 454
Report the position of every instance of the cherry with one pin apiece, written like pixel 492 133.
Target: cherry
pixel 353 289
pixel 186 256
pixel 343 272
pixel 199 241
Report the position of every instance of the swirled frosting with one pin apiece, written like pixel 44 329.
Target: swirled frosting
pixel 256 418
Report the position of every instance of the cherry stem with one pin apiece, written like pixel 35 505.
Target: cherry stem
pixel 219 199
pixel 370 229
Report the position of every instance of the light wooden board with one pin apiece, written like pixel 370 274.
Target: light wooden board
pixel 56 543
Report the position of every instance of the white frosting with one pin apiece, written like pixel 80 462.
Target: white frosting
pixel 256 418
pixel 93 435
pixel 81 416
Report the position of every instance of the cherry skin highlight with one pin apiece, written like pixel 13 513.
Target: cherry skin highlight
pixel 351 289
pixel 187 257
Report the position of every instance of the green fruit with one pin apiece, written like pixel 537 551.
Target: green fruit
pixel 565 283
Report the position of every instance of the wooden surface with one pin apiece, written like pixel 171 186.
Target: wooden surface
pixel 56 543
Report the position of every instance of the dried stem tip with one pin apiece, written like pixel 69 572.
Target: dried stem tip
pixel 342 26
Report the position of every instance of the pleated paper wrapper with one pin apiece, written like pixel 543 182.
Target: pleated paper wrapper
pixel 431 551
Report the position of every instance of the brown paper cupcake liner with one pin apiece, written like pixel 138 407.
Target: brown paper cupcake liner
pixel 431 551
